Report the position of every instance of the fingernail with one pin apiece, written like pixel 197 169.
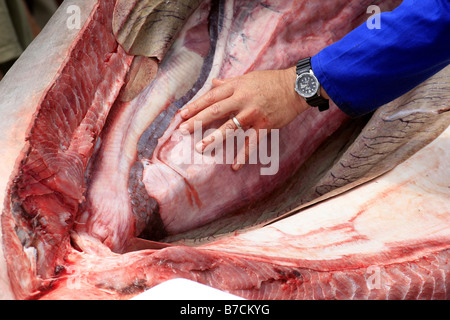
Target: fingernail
pixel 200 146
pixel 184 113
pixel 184 129
pixel 237 166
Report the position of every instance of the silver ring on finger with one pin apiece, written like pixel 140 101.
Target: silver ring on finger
pixel 237 123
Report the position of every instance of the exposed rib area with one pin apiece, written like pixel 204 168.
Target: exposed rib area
pixel 91 178
pixel 50 185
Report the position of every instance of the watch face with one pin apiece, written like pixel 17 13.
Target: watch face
pixel 307 85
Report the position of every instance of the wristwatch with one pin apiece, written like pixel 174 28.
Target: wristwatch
pixel 308 86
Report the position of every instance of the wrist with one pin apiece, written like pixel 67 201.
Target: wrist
pixel 308 86
pixel 300 104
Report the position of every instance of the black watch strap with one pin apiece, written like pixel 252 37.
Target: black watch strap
pixel 318 101
pixel 304 65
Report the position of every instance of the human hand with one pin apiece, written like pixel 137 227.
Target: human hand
pixel 258 100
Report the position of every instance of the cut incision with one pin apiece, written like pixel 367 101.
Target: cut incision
pixel 50 186
pixel 98 171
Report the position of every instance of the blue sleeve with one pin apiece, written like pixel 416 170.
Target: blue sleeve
pixel 370 67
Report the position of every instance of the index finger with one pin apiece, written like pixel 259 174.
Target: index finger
pixel 214 95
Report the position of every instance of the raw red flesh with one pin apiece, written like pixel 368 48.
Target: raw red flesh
pixel 335 250
pixel 324 252
pixel 72 113
pixel 183 193
pixel 108 211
